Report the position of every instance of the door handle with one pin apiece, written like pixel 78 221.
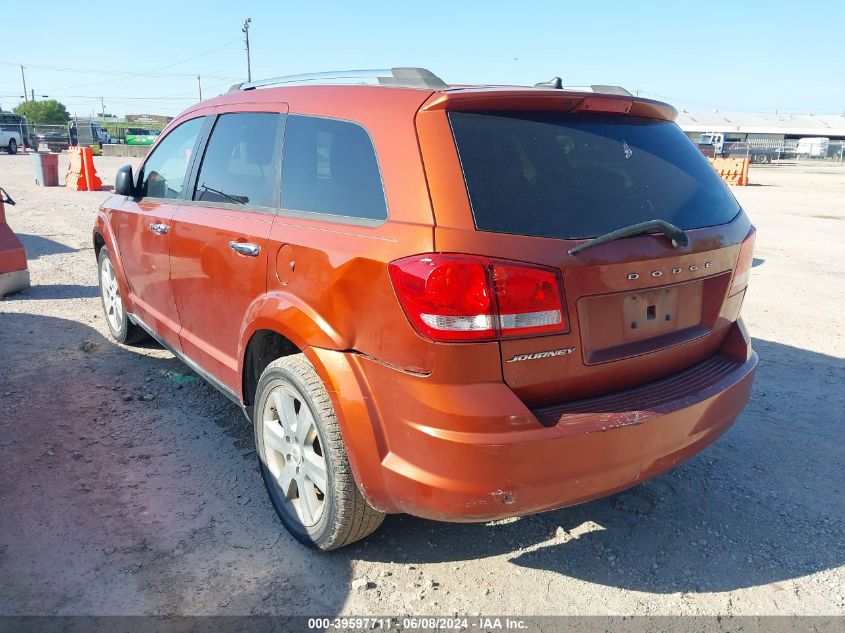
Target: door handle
pixel 245 248
pixel 161 229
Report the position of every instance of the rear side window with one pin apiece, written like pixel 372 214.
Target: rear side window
pixel 578 176
pixel 165 169
pixel 240 165
pixel 330 166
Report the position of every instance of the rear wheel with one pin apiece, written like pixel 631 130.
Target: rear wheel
pixel 13 146
pixel 761 159
pixel 121 328
pixel 303 459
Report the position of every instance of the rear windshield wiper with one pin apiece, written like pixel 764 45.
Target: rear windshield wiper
pixel 675 235
pixel 235 199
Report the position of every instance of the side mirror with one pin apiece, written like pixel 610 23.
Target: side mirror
pixel 124 182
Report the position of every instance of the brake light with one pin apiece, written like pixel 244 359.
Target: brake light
pixel 445 298
pixel 529 299
pixel 610 105
pixel 742 271
pixel 470 298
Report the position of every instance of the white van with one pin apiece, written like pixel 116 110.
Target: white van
pixel 813 147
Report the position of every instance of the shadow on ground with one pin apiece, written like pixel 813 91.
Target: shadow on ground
pixel 132 488
pixel 57 291
pixel 765 503
pixel 37 246
pixel 175 497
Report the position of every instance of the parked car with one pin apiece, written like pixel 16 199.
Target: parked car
pixel 16 122
pixel 55 140
pixel 138 136
pixel 10 138
pixel 60 140
pixel 462 303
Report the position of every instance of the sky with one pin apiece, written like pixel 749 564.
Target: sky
pixel 732 56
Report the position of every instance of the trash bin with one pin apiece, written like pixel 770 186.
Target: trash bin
pixel 46 165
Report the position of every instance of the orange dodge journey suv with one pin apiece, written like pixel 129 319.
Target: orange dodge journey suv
pixel 459 302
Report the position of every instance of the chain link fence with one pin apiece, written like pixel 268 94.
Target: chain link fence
pixel 58 137
pixel 805 150
pixel 776 151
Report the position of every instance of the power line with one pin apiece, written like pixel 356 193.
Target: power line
pixel 122 73
pixel 97 97
pixel 149 73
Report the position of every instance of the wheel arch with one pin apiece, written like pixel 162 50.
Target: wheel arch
pixel 99 242
pixel 102 236
pixel 263 347
pixel 279 324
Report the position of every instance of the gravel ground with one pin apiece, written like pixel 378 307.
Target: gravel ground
pixel 128 486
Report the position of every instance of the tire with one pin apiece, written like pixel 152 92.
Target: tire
pixel 761 159
pixel 13 146
pixel 303 459
pixel 120 327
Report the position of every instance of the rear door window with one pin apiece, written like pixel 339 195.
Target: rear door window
pixel 577 176
pixel 240 165
pixel 165 169
pixel 330 166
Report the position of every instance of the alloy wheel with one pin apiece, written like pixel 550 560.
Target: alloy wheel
pixel 111 295
pixel 293 454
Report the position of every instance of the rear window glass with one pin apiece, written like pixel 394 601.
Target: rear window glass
pixel 330 166
pixel 578 176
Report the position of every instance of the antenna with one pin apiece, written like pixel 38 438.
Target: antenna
pixel 554 82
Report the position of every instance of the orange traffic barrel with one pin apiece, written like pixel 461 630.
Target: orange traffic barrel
pixel 14 275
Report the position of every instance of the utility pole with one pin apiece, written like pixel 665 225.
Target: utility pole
pixel 23 77
pixel 33 93
pixel 103 109
pixel 199 85
pixel 245 29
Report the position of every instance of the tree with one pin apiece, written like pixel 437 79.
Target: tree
pixel 49 111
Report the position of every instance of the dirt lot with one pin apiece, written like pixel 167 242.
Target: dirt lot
pixel 128 486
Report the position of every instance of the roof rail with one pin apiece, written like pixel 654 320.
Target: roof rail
pixel 401 77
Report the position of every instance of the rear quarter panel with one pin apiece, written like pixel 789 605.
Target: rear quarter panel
pixel 328 282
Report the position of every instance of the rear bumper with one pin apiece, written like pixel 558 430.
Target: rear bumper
pixel 476 453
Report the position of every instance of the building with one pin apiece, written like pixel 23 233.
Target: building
pixel 763 129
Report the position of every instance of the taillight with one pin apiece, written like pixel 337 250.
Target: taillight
pixel 742 271
pixel 529 300
pixel 470 298
pixel 445 298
